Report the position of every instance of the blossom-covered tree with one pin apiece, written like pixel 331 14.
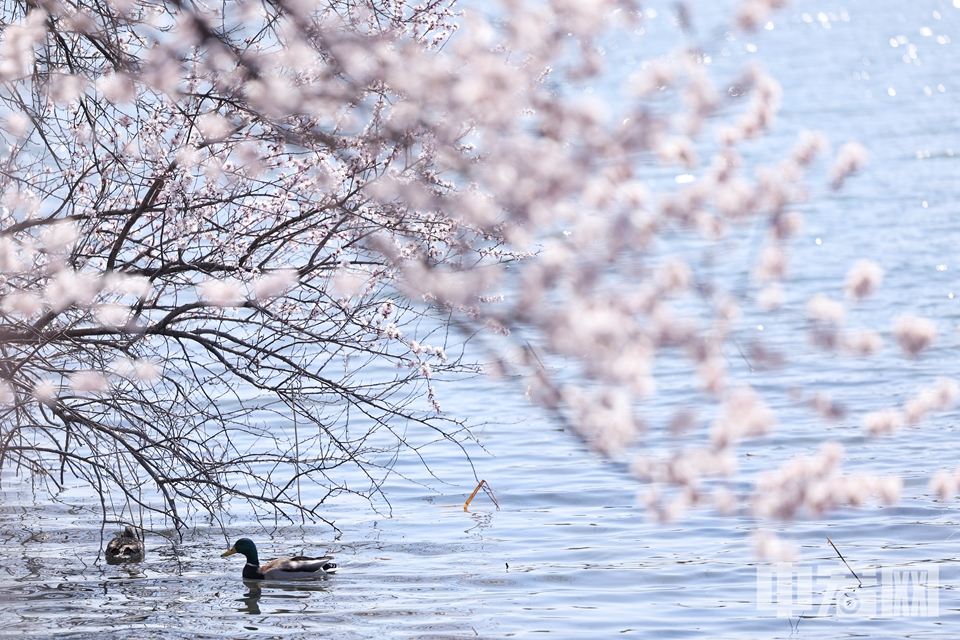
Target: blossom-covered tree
pixel 190 248
pixel 215 213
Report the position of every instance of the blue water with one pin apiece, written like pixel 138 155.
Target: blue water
pixel 572 552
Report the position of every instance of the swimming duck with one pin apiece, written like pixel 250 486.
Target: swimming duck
pixel 126 547
pixel 296 568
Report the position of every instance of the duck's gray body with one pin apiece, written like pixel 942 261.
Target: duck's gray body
pixel 299 568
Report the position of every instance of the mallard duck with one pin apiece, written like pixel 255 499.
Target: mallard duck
pixel 126 547
pixel 282 569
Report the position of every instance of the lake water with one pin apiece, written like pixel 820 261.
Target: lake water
pixel 570 554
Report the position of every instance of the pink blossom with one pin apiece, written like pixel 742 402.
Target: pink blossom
pixel 743 414
pixel 69 287
pixel 768 546
pixel 914 334
pixel 814 484
pixel 862 342
pixel 18 123
pixel 213 126
pixel 851 157
pixel 221 293
pixel 882 422
pixel 771 296
pixel 825 311
pixel 46 390
pixel 89 381
pixel 863 279
pixel 274 284
pixel 942 397
pixel 810 144
pixel 22 302
pixel 112 315
pixel 16 53
pixel 772 264
pixel 673 276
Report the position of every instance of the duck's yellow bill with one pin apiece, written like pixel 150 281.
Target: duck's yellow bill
pixel 228 553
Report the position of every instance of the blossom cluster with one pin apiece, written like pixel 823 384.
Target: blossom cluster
pixel 198 197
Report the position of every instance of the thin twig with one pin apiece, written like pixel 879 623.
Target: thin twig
pixel 489 492
pixel 844 560
pixel 534 354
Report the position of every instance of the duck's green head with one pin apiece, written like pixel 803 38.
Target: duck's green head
pixel 246 547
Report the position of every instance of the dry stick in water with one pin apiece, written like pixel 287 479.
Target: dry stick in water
pixel 489 493
pixel 841 557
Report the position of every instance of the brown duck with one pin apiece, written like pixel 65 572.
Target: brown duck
pixel 127 547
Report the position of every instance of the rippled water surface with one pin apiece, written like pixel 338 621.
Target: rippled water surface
pixel 570 554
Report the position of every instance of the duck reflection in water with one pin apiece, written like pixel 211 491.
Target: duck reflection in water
pixel 251 600
pixel 255 588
